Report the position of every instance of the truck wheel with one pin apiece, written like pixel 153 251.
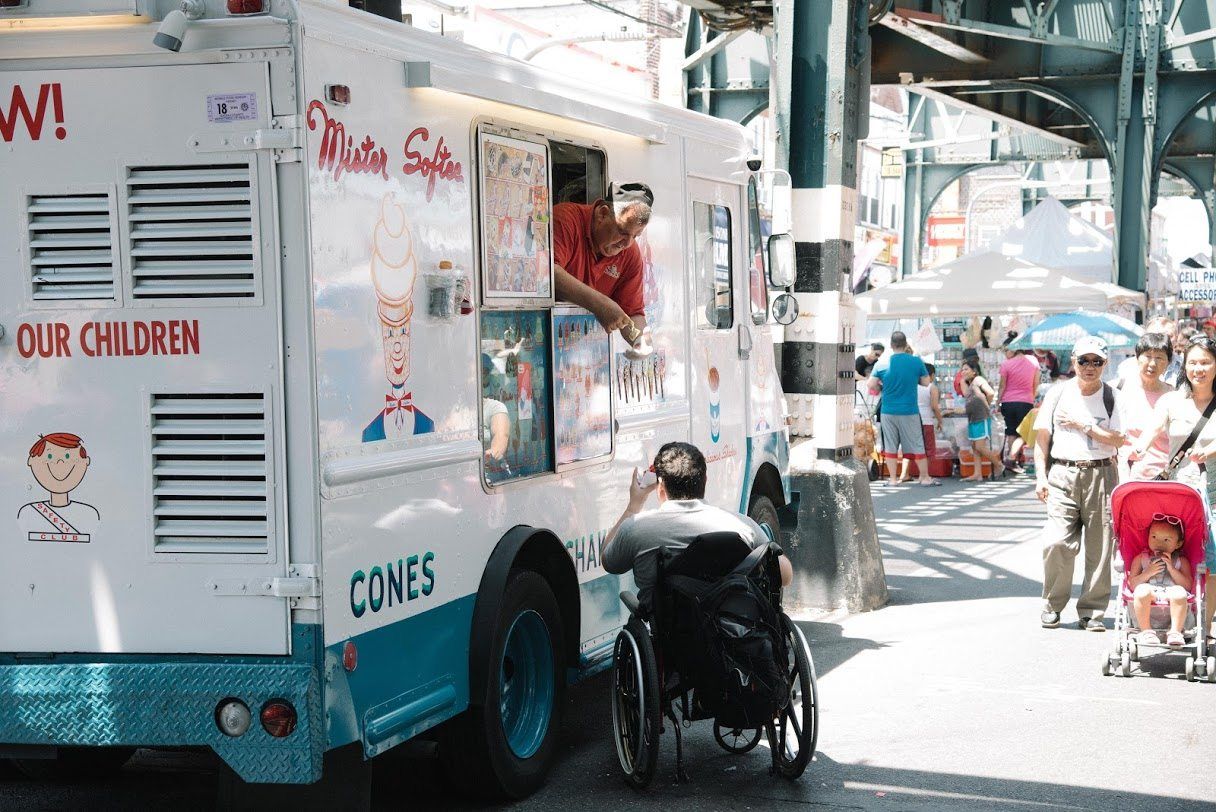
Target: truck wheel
pixel 763 512
pixel 76 764
pixel 504 748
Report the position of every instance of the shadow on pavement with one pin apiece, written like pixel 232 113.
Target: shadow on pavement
pixel 941 569
pixel 864 786
pixel 829 647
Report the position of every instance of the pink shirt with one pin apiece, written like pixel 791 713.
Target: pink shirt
pixel 1136 416
pixel 1021 374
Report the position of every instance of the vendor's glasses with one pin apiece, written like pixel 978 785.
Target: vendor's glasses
pixel 1089 361
pixel 1168 519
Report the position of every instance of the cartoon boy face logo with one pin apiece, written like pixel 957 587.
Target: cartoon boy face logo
pixel 59 463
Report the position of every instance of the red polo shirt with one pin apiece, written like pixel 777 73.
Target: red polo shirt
pixel 619 278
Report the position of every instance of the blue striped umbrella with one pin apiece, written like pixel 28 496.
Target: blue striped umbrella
pixel 1061 331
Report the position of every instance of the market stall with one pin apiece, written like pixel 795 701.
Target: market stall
pixel 973 303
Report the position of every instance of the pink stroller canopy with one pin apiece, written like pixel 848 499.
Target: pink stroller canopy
pixel 1133 505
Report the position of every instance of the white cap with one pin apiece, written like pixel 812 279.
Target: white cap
pixel 1089 345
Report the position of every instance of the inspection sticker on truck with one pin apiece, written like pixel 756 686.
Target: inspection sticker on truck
pixel 225 107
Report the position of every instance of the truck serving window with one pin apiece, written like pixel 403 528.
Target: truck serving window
pixel 579 174
pixel 711 231
pixel 546 367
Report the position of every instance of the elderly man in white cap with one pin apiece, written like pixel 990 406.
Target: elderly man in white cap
pixel 1077 437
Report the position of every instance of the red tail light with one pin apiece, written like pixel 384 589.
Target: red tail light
pixel 243 6
pixel 279 718
pixel 350 656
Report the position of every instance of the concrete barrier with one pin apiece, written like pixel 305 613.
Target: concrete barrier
pixel 835 553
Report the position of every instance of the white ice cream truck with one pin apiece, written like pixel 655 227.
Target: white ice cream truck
pixel 300 453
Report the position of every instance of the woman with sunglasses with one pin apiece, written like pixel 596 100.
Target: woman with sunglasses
pixel 1176 416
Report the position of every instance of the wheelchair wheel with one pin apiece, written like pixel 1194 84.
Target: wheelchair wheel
pixel 794 733
pixel 635 704
pixel 736 740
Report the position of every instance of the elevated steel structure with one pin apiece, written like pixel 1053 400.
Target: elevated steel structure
pixel 1132 83
pixel 1128 82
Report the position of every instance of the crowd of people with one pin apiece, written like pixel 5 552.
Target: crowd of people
pixel 910 408
pixel 1086 429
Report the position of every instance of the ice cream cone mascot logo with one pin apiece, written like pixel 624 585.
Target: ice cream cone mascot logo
pixel 59 463
pixel 394 269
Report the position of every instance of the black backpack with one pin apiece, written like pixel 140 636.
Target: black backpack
pixel 726 636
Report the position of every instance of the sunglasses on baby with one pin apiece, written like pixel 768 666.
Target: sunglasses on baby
pixel 1168 519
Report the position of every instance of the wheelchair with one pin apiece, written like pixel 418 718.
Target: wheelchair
pixel 660 665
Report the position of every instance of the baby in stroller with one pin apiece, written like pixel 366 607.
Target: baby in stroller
pixel 1162 531
pixel 1161 575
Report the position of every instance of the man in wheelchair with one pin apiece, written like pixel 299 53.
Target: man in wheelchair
pixel 683 515
pixel 706 631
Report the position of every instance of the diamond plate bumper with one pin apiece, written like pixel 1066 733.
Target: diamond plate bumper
pixel 168 704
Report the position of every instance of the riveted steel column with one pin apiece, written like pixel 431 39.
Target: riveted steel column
pixel 825 106
pixel 836 558
pixel 914 189
pixel 1133 169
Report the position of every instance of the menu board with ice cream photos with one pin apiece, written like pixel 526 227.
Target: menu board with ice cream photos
pixel 583 382
pixel 515 219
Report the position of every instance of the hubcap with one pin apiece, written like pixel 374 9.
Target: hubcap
pixel 525 684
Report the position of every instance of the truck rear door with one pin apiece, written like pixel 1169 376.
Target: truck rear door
pixel 142 474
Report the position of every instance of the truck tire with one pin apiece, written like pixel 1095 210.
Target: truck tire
pixel 503 749
pixel 76 764
pixel 763 512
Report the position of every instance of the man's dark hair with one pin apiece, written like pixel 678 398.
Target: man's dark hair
pixel 878 347
pixel 1155 341
pixel 681 467
pixel 898 340
pixel 932 370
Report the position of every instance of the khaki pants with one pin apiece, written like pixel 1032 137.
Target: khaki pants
pixel 1078 502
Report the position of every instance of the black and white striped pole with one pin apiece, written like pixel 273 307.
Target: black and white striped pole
pixel 836 556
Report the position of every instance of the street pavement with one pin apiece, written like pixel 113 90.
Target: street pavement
pixel 949 698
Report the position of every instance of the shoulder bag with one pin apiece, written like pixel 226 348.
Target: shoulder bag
pixel 1180 454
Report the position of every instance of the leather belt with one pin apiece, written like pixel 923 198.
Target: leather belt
pixel 1085 464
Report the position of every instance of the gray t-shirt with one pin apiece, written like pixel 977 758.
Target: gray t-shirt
pixel 673 524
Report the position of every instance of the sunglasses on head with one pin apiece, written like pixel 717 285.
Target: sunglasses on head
pixel 1168 519
pixel 1089 361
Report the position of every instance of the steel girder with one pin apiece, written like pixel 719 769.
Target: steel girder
pixel 1134 81
pixel 726 73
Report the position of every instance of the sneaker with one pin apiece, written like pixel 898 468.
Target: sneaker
pixel 1050 620
pixel 1092 624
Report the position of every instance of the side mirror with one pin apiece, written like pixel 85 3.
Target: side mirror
pixel 781 271
pixel 785 309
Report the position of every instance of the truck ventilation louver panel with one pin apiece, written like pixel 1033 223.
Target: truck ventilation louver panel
pixel 210 473
pixel 191 231
pixel 71 249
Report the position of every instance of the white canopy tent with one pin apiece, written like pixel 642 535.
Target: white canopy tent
pixel 989 283
pixel 1052 236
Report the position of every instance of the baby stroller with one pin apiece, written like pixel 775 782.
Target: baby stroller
pixel 711 639
pixel 1133 506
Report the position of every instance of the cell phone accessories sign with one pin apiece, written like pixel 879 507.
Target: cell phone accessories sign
pixel 1197 285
